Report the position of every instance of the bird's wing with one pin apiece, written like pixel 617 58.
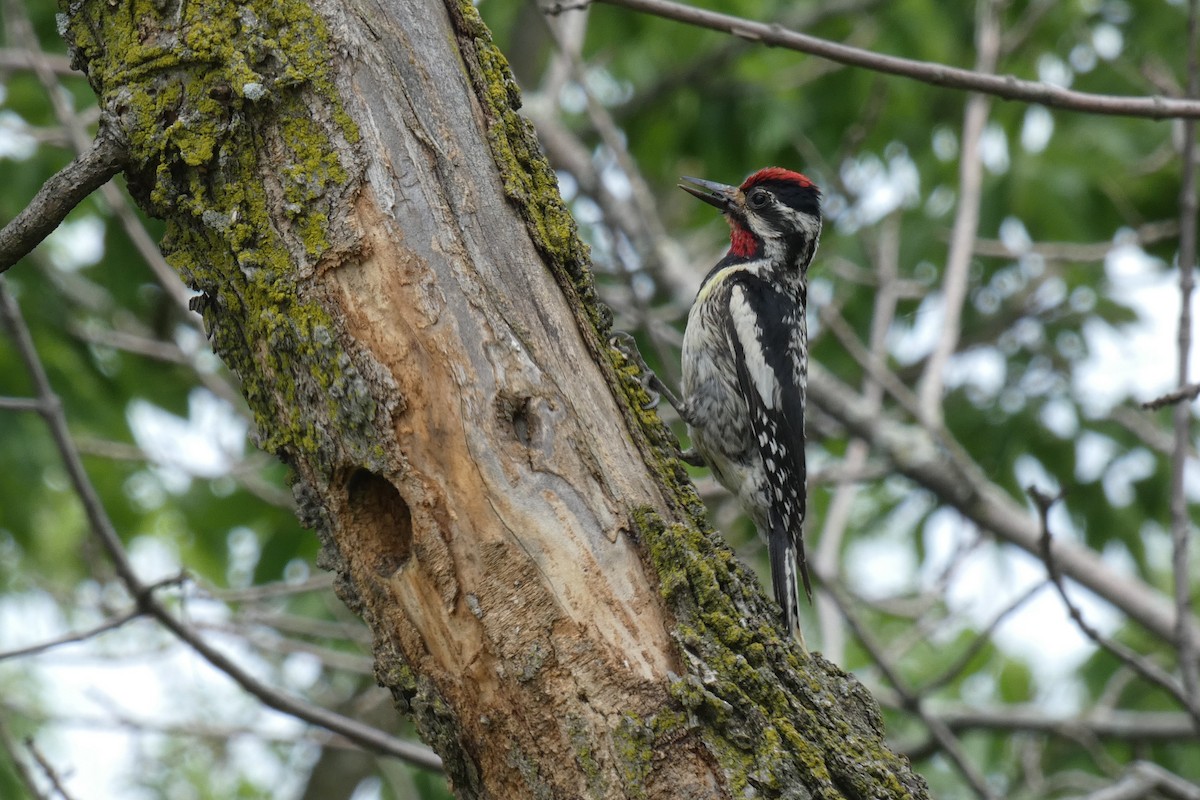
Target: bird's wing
pixel 771 370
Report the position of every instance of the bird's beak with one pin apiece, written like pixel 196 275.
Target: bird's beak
pixel 715 194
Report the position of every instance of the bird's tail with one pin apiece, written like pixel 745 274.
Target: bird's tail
pixel 788 569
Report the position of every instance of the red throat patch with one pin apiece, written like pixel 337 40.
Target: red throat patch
pixel 741 241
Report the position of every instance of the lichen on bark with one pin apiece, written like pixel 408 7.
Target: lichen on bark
pixel 237 138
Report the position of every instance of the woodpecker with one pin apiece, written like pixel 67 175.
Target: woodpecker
pixel 745 362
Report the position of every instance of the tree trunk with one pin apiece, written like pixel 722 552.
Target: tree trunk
pixel 384 260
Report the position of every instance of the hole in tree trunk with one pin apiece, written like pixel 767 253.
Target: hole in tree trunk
pixel 376 505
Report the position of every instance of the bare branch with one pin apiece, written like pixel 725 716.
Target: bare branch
pixel 1189 392
pixel 1007 87
pixel 47 768
pixel 17 58
pixel 1145 779
pixel 909 700
pixel 270 591
pixel 1141 726
pixel 1181 519
pixel 1143 666
pixel 71 638
pixel 966 219
pixel 24 774
pixel 46 67
pixel 143 594
pixel 20 404
pixel 65 190
pixel 939 465
pixel 1146 234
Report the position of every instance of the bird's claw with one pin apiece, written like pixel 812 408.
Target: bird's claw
pixel 626 345
pixel 692 458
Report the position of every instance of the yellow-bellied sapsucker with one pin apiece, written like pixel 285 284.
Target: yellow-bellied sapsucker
pixel 745 362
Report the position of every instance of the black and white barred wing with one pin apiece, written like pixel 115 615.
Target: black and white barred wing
pixel 771 365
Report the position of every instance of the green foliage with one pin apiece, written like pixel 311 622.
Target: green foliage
pixel 696 103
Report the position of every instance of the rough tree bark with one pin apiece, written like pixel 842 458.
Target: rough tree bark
pixel 383 259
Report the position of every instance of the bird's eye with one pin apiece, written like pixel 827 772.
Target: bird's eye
pixel 758 199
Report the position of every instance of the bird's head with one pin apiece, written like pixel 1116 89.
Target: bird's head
pixel 774 214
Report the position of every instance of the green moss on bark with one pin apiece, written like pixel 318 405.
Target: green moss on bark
pixel 780 724
pixel 529 182
pixel 236 138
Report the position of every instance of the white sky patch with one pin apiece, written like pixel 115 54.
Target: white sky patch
pixel 602 86
pixel 1122 474
pixel 154 558
pixel 945 143
pixel 1037 129
pixel 1093 453
pixel 1040 631
pixel 993 149
pixel 883 564
pixel 16 142
pixel 913 337
pixel 880 567
pixel 615 180
pixel 1059 417
pixel 138 673
pixel 568 187
pixel 206 444
pixel 878 187
pixel 1191 483
pixel 77 243
pixel 1014 235
pixel 1082 58
pixel 369 789
pixel 1135 361
pixel 982 369
pixel 1030 472
pixel 1108 41
pixel 301 671
pixel 940 202
pixel 1053 70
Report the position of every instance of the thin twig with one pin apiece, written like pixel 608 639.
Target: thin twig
pixel 1189 392
pixel 1007 87
pixel 24 774
pixel 940 466
pixel 47 768
pixel 1181 518
pixel 1146 779
pixel 966 220
pixel 1145 234
pixel 979 642
pixel 17 58
pixel 910 700
pixel 269 591
pixel 71 638
pixel 142 593
pixel 1143 666
pixel 20 404
pixel 65 190
pixel 44 66
pixel 716 61
pixel 1140 726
